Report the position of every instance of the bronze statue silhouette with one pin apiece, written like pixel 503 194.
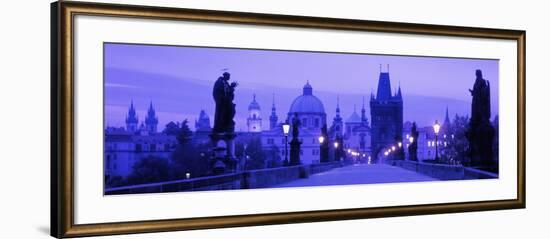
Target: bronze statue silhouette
pixel 480 132
pixel 295 126
pixel 224 93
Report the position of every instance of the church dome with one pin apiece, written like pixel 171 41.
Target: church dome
pixel 254 104
pixel 307 102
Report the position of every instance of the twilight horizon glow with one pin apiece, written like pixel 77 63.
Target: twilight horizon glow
pixel 178 80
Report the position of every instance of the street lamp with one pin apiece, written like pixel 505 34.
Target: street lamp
pixel 286 129
pixel 336 144
pixel 436 126
pixel 399 144
pixel 321 139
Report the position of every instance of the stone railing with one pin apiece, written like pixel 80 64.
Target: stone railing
pixel 261 178
pixel 442 171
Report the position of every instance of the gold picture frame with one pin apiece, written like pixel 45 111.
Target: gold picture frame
pixel 62 128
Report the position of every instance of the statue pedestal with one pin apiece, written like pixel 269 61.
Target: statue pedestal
pixel 223 148
pixel 481 145
pixel 295 152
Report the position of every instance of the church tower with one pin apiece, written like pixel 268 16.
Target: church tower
pixel 203 123
pixel 151 121
pixel 386 115
pixel 273 119
pixel 337 122
pixel 446 127
pixel 132 119
pixel 254 120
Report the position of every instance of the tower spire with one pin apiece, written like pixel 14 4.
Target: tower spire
pixel 337 104
pixel 273 117
pixel 151 121
pixel 447 120
pixel 363 111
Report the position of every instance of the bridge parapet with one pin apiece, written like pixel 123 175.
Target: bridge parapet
pixel 261 178
pixel 443 171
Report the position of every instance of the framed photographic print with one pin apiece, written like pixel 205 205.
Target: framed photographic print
pixel 172 119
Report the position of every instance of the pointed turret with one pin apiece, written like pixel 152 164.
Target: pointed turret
pixel 273 119
pixel 447 120
pixel 308 90
pixel 447 123
pixel 363 112
pixel 337 122
pixel 132 119
pixel 151 121
pixel 398 95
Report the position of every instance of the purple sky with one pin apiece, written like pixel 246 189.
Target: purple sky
pixel 179 80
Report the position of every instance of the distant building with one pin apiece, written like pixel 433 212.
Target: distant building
pixel 254 120
pixel 132 119
pixel 357 134
pixel 426 138
pixel 311 113
pixel 273 119
pixel 125 146
pixel 202 128
pixel 151 121
pixel 386 115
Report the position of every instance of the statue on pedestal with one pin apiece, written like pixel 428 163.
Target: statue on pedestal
pixel 413 146
pixel 480 132
pixel 223 133
pixel 295 142
pixel 324 145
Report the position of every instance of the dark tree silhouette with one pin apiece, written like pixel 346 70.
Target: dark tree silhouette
pixel 184 135
pixel 171 129
pixel 256 156
pixel 149 170
pixel 273 157
pixel 457 148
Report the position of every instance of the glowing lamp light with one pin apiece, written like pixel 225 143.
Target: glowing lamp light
pixel 335 145
pixel 386 153
pixel 436 126
pixel 286 128
pixel 392 148
pixel 349 151
pixel 411 139
pixel 399 144
pixel 321 139
pixel 187 175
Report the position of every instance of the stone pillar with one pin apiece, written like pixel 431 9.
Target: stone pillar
pixel 223 147
pixel 295 152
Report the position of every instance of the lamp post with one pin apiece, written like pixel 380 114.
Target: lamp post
pixel 336 150
pixel 286 129
pixel 322 148
pixel 436 131
pixel 412 153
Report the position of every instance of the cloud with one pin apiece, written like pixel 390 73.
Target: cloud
pixel 115 85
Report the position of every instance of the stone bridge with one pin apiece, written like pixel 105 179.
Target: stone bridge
pixel 333 173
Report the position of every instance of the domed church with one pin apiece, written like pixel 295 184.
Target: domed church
pixel 309 108
pixel 311 113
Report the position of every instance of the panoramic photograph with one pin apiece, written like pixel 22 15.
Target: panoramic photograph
pixel 192 118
